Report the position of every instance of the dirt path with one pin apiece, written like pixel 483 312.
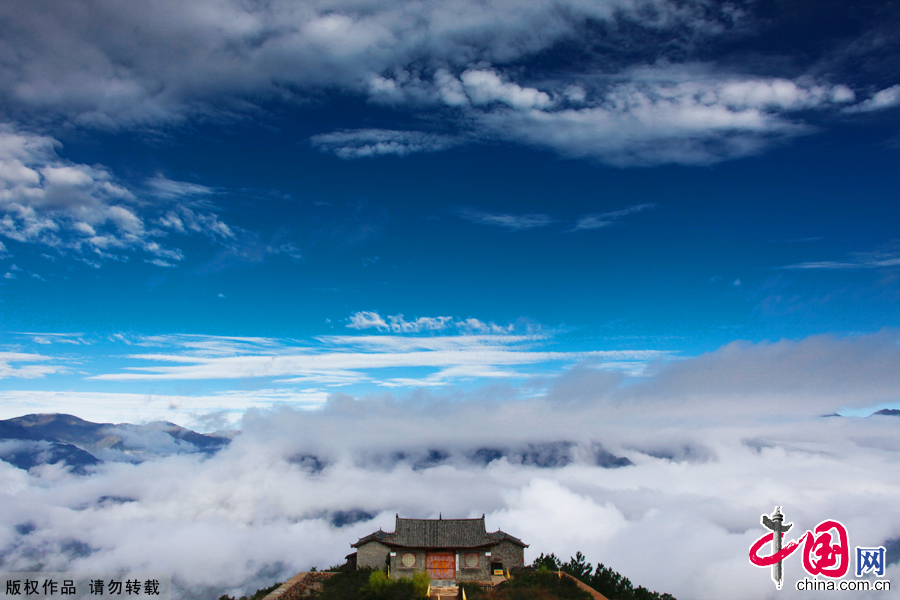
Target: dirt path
pixel 597 595
pixel 299 585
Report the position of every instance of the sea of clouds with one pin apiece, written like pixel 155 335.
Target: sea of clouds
pixel 714 441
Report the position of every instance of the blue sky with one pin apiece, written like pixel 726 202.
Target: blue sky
pixel 384 197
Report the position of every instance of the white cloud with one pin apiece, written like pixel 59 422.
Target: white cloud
pixel 77 208
pixel 81 210
pixel 454 349
pixel 160 263
pixel 476 325
pixel 65 64
pixel 512 222
pixel 8 360
pixel 287 365
pixel 819 373
pixel 452 375
pixel 46 200
pixel 364 143
pixel 44 338
pixel 647 115
pixel 886 98
pixel 777 93
pixel 193 411
pixel 886 258
pixel 600 221
pixel 454 53
pixel 397 324
pixel 183 219
pixel 657 117
pixel 842 93
pixel 209 345
pixel 485 87
pixel 575 94
pixel 163 187
pixel 487 335
pixel 450 89
pixel 367 320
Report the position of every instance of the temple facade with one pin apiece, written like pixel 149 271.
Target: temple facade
pixel 447 549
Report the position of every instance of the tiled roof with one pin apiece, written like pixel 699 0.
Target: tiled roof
pixel 378 535
pixel 439 533
pixel 502 535
pixel 450 533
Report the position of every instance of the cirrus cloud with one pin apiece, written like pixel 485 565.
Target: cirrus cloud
pixel 363 143
pixel 507 221
pixel 9 360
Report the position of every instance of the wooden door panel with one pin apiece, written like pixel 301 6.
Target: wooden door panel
pixel 441 565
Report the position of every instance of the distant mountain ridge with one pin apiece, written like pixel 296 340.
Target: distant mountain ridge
pixel 888 412
pixel 542 455
pixel 38 439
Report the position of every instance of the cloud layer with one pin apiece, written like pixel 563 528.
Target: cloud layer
pixel 623 82
pixel 641 91
pixel 816 375
pixel 65 62
pixel 715 441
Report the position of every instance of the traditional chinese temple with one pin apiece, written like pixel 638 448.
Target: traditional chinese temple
pixel 447 549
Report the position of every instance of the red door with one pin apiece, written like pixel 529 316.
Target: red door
pixel 441 565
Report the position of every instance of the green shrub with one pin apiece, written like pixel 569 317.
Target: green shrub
pixel 421 581
pixel 368 584
pixel 538 584
pixel 378 583
pixel 257 595
pixel 344 586
pixel 473 591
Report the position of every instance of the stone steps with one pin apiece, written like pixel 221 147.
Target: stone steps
pixel 444 589
pixel 444 592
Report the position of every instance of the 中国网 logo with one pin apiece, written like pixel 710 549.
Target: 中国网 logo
pixel 825 550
